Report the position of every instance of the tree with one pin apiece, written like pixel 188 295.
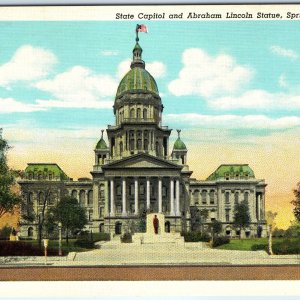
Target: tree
pixel 241 216
pixel 49 189
pixel 9 200
pixel 270 219
pixel 71 215
pixel 216 228
pixel 296 202
pixel 198 217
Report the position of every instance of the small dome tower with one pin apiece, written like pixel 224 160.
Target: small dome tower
pixel 179 150
pixel 101 151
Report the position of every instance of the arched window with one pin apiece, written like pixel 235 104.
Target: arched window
pixel 50 176
pixel 74 194
pixel 145 114
pixel 82 197
pixel 30 232
pixel 132 113
pixel 101 227
pixel 203 196
pixel 138 112
pixel 30 176
pixel 90 197
pixel 40 176
pixel 41 198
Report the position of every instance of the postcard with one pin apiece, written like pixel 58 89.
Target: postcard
pixel 149 142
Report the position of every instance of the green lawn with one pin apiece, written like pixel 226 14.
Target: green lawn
pixel 280 245
pixel 243 244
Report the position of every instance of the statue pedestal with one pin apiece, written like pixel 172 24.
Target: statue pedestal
pixel 161 237
pixel 150 226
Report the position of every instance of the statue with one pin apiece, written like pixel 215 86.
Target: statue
pixel 155 224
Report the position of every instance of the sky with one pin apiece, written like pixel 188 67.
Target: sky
pixel 232 87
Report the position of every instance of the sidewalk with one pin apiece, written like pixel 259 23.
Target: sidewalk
pixel 115 253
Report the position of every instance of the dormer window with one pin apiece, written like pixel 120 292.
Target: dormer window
pixel 226 176
pixel 50 176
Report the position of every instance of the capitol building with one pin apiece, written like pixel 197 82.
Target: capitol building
pixel 136 169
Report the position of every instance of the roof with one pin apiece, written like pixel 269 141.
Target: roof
pixel 137 80
pixel 232 170
pixel 45 169
pixel 101 144
pixel 179 145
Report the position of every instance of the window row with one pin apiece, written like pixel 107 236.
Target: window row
pixel 236 197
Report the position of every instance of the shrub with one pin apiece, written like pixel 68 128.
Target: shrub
pixel 257 247
pixel 287 246
pixel 195 236
pixel 126 237
pixel 13 248
pixel 101 236
pixel 5 232
pixel 84 243
pixel 220 240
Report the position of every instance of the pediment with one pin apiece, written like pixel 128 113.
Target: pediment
pixel 142 161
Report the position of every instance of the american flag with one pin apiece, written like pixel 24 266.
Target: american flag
pixel 141 28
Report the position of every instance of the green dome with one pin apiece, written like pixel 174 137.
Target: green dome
pixel 179 145
pixel 101 144
pixel 137 80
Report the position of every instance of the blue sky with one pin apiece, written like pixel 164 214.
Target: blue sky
pixel 251 60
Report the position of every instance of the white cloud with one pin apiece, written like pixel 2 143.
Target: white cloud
pixel 109 52
pixel 79 87
pixel 156 68
pixel 284 52
pixel 234 121
pixel 10 105
pixel 207 76
pixel 28 63
pixel 257 99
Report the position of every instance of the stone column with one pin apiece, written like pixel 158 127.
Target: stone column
pixel 262 216
pixel 258 206
pixel 148 193
pixel 112 198
pixel 177 198
pixel 96 201
pixel 106 199
pixel 172 212
pixel 124 211
pixel 159 195
pixel 136 196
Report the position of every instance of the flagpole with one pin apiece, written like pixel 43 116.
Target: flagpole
pixel 137 32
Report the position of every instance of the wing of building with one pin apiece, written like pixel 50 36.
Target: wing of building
pixel 138 170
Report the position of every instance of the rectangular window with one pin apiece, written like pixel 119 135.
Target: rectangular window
pixel 227 213
pixel 227 197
